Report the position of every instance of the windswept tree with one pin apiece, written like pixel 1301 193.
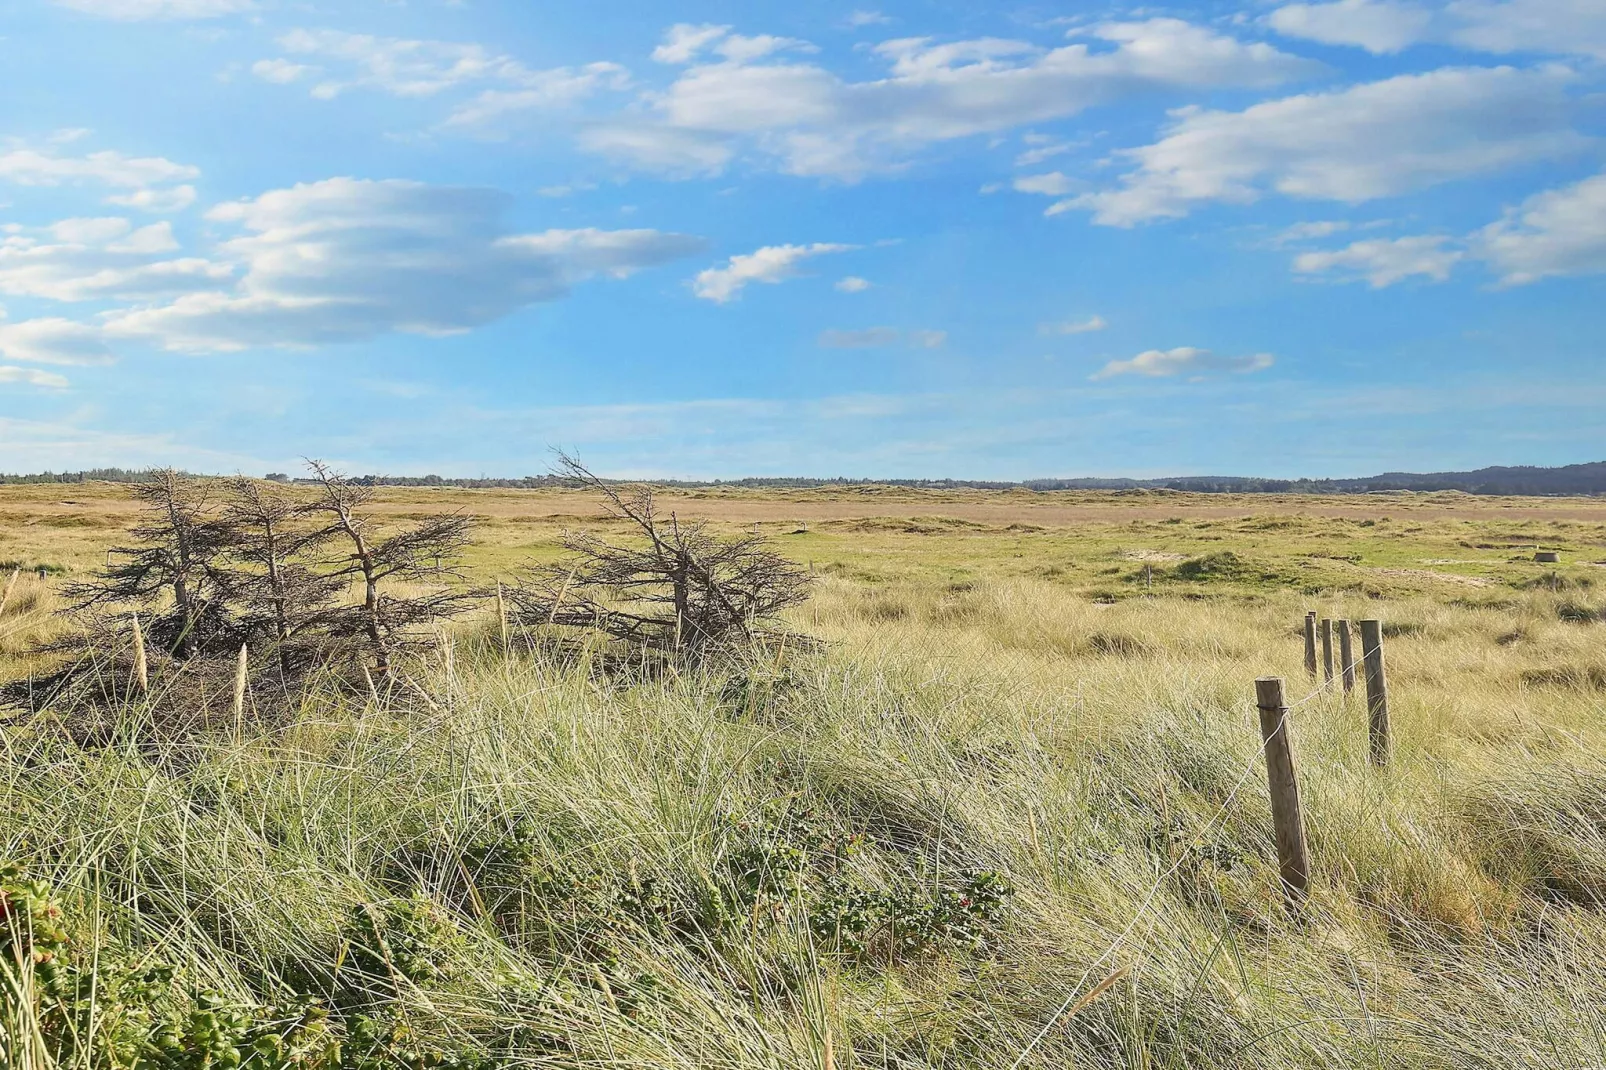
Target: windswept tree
pixel 682 590
pixel 279 596
pixel 181 554
pixel 424 555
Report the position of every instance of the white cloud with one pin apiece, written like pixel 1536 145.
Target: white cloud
pixel 421 68
pixel 52 340
pixel 280 71
pixel 1184 360
pixel 881 338
pixel 96 258
pixel 1376 25
pixel 853 284
pixel 1043 148
pixel 32 377
pixel 1092 323
pixel 1300 232
pixel 1373 140
pixel 1385 261
pixel 1558 27
pixel 172 199
pixel 32 167
pixel 1557 232
pixel 806 120
pixel 684 41
pixel 867 18
pixel 137 10
pixel 770 264
pixel 1053 184
pixel 347 259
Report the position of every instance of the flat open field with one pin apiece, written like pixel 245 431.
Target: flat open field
pixel 1009 814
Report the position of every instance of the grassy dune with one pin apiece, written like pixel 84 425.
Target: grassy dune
pixel 1019 770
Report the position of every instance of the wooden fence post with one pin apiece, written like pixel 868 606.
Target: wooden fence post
pixel 1346 656
pixel 1293 862
pixel 1377 690
pixel 501 616
pixel 1327 651
pixel 1310 643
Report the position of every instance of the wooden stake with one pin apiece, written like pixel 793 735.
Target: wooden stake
pixel 1327 651
pixel 1310 643
pixel 501 616
pixel 828 1057
pixel 142 672
pixel 1293 862
pixel 1346 656
pixel 12 582
pixel 1377 690
pixel 240 670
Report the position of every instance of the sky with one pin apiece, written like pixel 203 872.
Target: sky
pixel 705 239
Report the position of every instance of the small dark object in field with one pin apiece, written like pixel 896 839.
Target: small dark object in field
pixel 687 592
pixel 1547 557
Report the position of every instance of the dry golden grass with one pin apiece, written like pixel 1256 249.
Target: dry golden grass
pixel 1020 701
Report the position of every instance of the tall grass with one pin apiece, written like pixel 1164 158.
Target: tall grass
pixel 630 870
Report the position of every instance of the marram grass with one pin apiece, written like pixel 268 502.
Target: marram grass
pixel 1028 796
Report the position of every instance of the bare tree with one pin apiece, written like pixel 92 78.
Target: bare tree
pixel 685 591
pixel 423 554
pixel 279 595
pixel 182 549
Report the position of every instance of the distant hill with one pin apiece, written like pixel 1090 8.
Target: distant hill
pixel 1572 479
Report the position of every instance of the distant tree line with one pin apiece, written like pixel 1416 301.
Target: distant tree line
pixel 1572 479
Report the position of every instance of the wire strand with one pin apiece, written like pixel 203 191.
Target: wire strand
pixel 1154 890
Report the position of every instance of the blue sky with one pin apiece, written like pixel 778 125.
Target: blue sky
pixel 723 239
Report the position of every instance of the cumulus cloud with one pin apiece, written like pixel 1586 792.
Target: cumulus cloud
pixel 1559 27
pixel 28 166
pixel 1385 261
pixel 1373 140
pixel 1379 26
pixel 158 201
pixel 347 259
pixel 805 120
pixel 770 264
pixel 93 258
pixel 139 10
pixel 683 41
pixel 1184 360
pixel 52 340
pixel 1554 233
pixel 420 68
pixel 1557 232
pixel 852 284
pixel 32 377
pixel 1092 323
pixel 280 71
pixel 1052 184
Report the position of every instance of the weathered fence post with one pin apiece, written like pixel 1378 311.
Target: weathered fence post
pixel 1293 862
pixel 1346 656
pixel 1377 690
pixel 1327 651
pixel 1310 643
pixel 501 616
